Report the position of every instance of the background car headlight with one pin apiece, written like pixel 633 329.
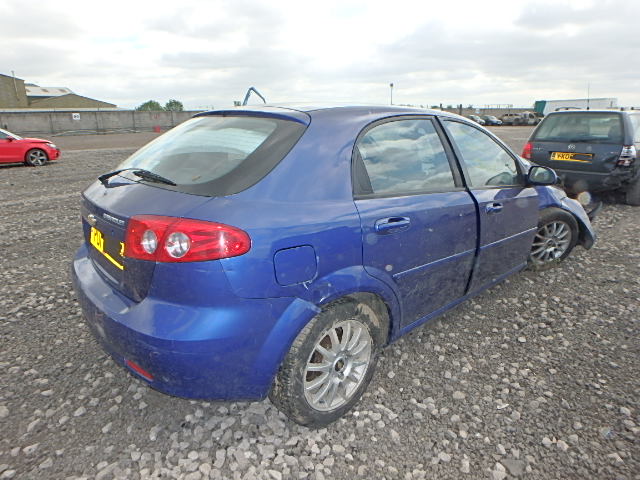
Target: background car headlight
pixel 51 145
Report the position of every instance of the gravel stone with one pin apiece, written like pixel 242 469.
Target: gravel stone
pixel 513 466
pixel 456 388
pixel 444 457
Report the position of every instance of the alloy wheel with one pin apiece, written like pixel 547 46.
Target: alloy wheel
pixel 337 365
pixel 37 158
pixel 551 242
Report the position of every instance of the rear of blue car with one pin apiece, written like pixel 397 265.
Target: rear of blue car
pixel 150 274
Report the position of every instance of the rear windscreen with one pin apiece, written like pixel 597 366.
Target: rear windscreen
pixel 217 155
pixel 581 127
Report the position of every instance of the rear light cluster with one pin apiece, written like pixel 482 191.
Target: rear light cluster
pixel 627 156
pixel 169 239
pixel 526 151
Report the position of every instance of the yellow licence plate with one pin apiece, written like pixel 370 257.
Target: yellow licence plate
pixel 97 239
pixel 571 157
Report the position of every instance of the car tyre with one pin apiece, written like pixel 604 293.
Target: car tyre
pixel 330 363
pixel 555 238
pixel 632 195
pixel 36 157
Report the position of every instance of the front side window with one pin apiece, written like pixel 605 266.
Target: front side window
pixel 4 135
pixel 218 155
pixel 596 127
pixel 488 164
pixel 404 157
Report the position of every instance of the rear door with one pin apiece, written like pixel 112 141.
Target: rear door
pixel 508 210
pixel 418 221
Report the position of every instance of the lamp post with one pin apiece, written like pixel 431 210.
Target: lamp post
pixel 391 89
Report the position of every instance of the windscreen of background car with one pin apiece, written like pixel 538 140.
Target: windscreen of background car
pixel 217 155
pixel 581 127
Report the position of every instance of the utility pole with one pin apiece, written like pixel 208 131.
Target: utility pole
pixel 391 88
pixel 588 93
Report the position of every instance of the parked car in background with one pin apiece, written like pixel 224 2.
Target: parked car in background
pixel 491 120
pixel 591 150
pixel 523 118
pixel 31 151
pixel 476 119
pixel 274 251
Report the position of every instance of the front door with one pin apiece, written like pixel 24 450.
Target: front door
pixel 418 221
pixel 9 149
pixel 508 209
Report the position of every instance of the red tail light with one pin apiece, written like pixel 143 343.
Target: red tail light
pixel 627 156
pixel 170 239
pixel 526 151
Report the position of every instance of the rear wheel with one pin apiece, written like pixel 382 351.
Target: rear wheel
pixel 330 363
pixel 632 195
pixel 557 235
pixel 36 157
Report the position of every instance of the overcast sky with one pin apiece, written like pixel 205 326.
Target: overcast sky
pixel 208 52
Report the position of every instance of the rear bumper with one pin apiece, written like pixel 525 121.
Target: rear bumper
pixel 229 352
pixel 576 182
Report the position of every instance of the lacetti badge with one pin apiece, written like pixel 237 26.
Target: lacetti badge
pixel 91 218
pixel 112 219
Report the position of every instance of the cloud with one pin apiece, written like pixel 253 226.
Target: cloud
pixel 208 53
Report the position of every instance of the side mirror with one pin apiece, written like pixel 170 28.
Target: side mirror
pixel 10 139
pixel 539 175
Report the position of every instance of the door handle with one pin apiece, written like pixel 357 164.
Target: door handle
pixel 392 223
pixel 494 207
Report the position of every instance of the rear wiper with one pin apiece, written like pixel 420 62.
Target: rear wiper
pixel 139 172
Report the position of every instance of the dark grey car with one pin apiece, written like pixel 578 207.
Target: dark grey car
pixel 591 150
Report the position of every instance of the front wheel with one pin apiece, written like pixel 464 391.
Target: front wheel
pixel 330 364
pixel 36 157
pixel 556 236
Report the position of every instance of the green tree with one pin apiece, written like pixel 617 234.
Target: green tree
pixel 150 106
pixel 174 106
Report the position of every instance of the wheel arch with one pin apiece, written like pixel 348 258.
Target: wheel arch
pixel 551 197
pixel 351 283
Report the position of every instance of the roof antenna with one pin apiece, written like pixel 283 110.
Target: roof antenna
pixel 246 97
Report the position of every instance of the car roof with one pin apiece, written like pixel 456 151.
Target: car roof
pixel 339 108
pixel 601 110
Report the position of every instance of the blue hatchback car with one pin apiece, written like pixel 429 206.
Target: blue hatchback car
pixel 275 250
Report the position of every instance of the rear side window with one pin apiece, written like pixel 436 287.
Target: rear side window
pixel 597 127
pixel 402 157
pixel 218 155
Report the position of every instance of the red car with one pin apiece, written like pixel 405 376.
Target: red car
pixel 32 151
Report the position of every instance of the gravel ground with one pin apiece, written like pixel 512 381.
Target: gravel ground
pixel 536 378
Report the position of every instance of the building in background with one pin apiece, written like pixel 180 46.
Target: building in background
pixel 15 94
pixel 547 106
